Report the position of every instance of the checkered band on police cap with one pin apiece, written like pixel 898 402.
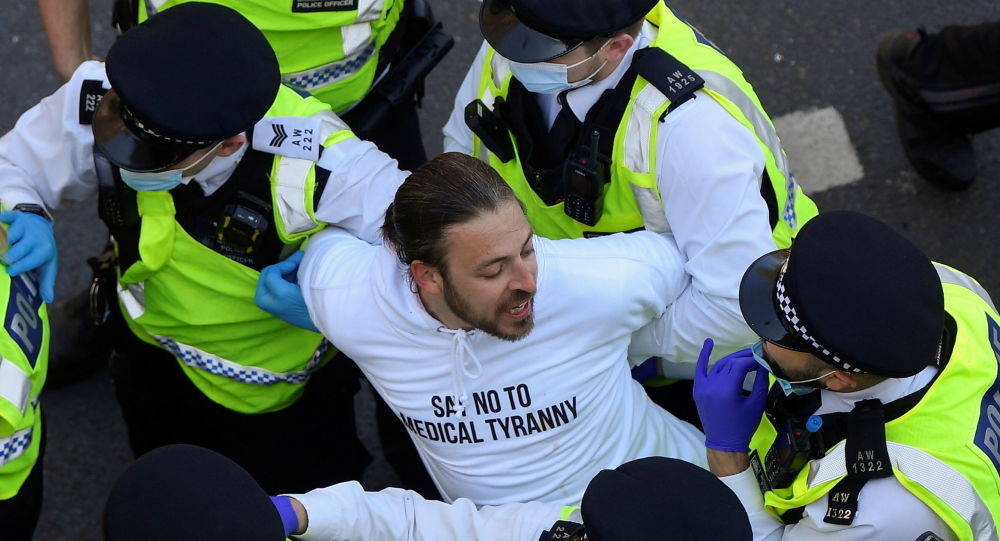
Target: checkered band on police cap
pixel 795 322
pixel 137 127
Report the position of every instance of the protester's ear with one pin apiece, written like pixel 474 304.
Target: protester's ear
pixel 427 278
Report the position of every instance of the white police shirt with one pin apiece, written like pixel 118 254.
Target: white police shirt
pixel 886 510
pixel 48 157
pixel 346 511
pixel 546 413
pixel 709 169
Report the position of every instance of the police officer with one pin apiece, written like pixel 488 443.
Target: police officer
pixel 208 169
pixel 334 50
pixel 608 116
pixel 349 54
pixel 24 351
pixel 882 420
pixel 648 499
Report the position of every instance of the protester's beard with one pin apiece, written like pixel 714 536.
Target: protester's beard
pixel 492 323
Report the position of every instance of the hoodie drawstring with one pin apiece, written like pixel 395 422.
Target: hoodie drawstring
pixel 465 364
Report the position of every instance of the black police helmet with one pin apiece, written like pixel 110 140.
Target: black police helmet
pixel 851 291
pixel 183 80
pixel 190 493
pixel 530 31
pixel 659 498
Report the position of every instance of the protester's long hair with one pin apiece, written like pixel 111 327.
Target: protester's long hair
pixel 448 190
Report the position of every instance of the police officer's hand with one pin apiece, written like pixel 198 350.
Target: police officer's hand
pixel 32 246
pixel 729 417
pixel 278 293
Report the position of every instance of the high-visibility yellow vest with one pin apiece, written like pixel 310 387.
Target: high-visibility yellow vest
pixel 631 199
pixel 24 353
pixel 329 48
pixel 199 304
pixel 946 449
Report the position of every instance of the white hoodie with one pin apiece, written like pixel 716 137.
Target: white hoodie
pixel 543 415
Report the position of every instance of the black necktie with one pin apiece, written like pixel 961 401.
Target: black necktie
pixel 563 133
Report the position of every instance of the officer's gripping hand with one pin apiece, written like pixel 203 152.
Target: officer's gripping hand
pixel 278 293
pixel 729 417
pixel 32 245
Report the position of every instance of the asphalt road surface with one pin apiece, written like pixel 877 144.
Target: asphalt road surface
pixel 812 64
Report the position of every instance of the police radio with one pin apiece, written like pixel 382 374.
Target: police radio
pixel 795 444
pixel 586 171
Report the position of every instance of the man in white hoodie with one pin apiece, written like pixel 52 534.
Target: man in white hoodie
pixel 504 354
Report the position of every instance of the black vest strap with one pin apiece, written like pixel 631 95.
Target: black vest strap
pixel 670 76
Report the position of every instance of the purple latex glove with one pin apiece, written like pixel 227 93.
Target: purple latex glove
pixel 729 417
pixel 288 518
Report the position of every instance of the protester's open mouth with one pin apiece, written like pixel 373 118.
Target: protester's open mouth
pixel 520 311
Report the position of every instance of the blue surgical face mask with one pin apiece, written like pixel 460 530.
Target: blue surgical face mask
pixel 160 180
pixel 788 387
pixel 550 77
pixel 152 182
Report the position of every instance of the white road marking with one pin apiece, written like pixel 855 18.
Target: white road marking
pixel 819 149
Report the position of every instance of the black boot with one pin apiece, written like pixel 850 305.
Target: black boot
pixel 939 151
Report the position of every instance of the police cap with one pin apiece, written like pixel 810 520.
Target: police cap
pixel 184 79
pixel 191 493
pixel 538 30
pixel 852 292
pixel 663 499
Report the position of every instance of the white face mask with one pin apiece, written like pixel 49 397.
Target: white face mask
pixel 550 77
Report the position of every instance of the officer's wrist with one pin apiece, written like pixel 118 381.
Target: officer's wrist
pixel 301 515
pixel 33 208
pixel 726 463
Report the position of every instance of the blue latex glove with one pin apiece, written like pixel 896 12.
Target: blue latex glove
pixel 288 517
pixel 278 293
pixel 728 417
pixel 32 246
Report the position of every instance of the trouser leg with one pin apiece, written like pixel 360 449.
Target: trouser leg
pixel 956 73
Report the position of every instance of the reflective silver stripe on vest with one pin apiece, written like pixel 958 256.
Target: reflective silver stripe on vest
pixel 764 130
pixel 153 6
pixel 15 384
pixel 637 157
pixel 13 446
pixel 133 297
pixel 654 218
pixel 649 100
pixel 934 475
pixel 328 74
pixel 949 275
pixel 213 364
pixel 370 10
pixel 355 37
pixel 293 173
